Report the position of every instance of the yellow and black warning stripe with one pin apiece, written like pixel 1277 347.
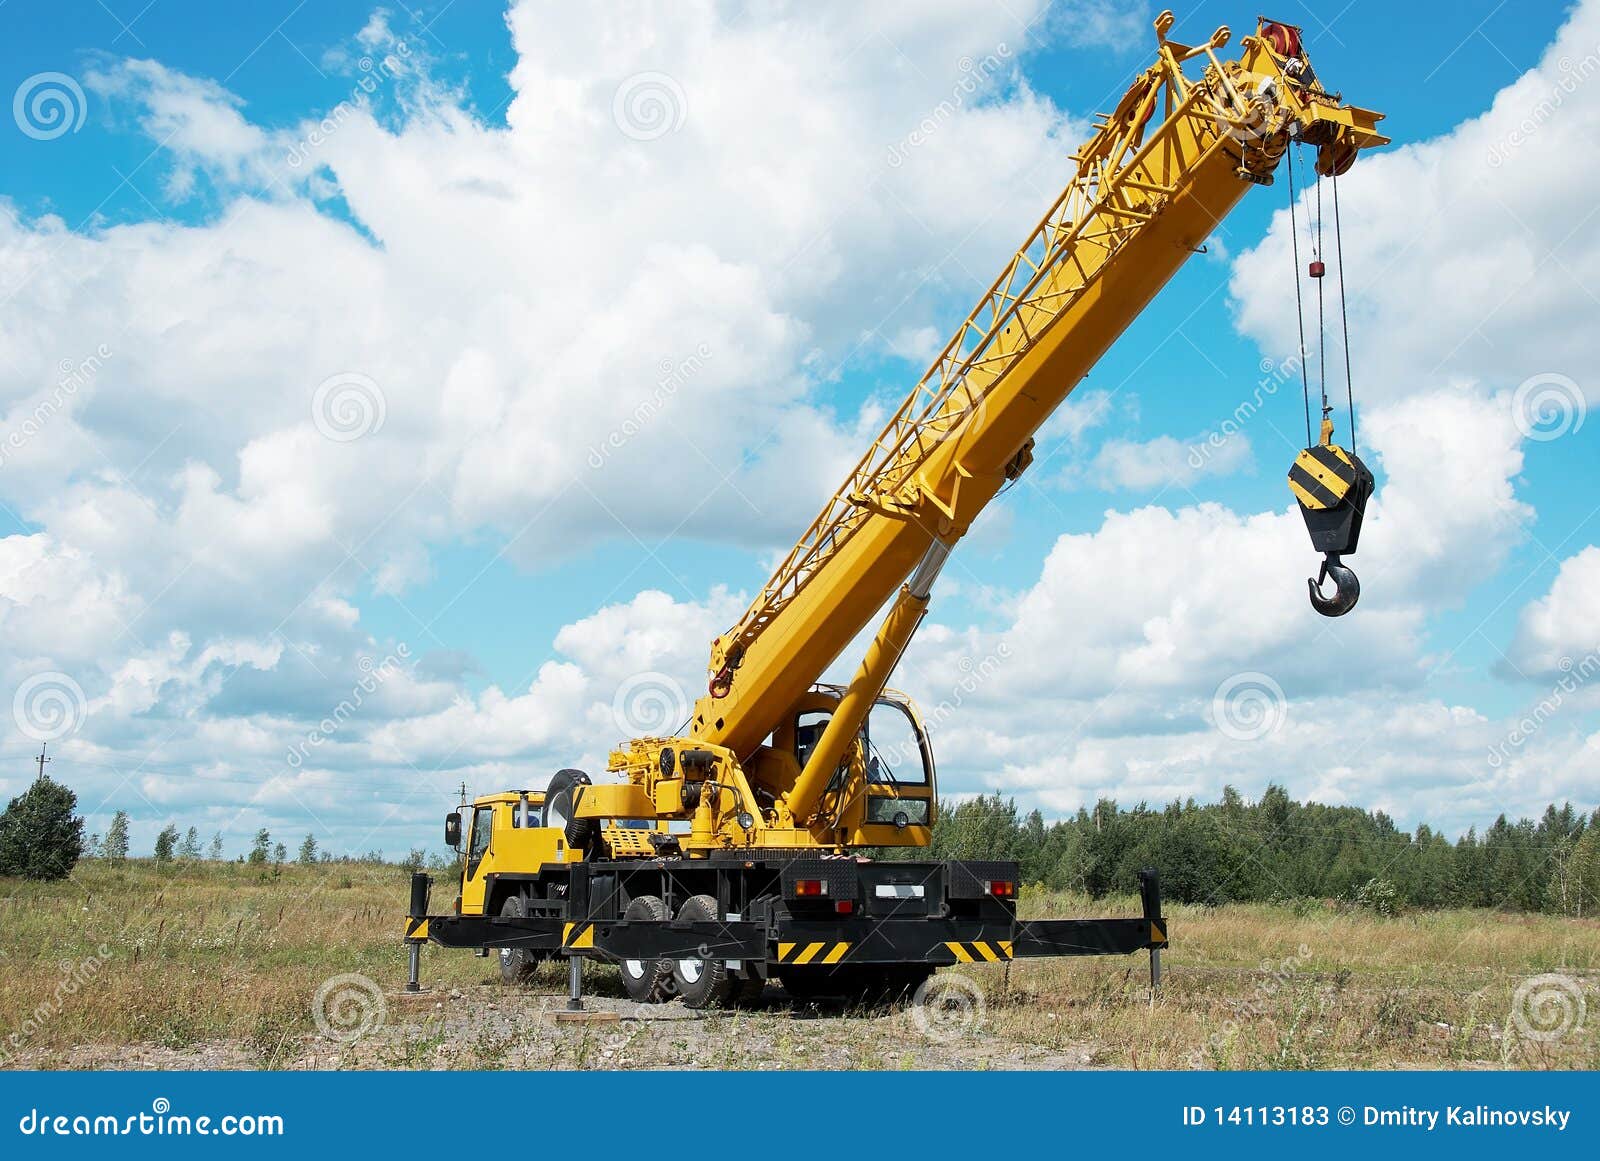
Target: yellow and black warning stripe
pixel 577 935
pixel 1322 476
pixel 1158 932
pixel 823 951
pixel 980 950
pixel 416 930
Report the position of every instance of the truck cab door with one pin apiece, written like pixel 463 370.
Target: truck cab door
pixel 477 864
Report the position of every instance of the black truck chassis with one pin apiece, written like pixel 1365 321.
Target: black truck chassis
pixel 780 909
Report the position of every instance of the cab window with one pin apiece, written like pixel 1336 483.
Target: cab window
pixel 894 749
pixel 482 827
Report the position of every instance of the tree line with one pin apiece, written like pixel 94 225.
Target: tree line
pixel 1278 849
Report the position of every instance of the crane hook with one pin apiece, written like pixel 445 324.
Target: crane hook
pixel 1346 588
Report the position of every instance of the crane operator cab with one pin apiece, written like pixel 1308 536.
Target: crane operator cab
pixel 884 791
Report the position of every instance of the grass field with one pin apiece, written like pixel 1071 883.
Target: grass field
pixel 218 966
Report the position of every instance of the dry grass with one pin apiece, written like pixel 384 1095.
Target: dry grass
pixel 216 965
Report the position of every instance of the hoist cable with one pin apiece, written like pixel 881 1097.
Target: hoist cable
pixel 1344 315
pixel 1299 308
pixel 1322 326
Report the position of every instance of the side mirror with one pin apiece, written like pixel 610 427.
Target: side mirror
pixel 452 830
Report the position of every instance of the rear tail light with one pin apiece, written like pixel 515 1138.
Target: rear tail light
pixel 810 888
pixel 1002 888
pixel 845 906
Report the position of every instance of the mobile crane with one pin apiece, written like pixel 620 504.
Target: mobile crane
pixel 738 850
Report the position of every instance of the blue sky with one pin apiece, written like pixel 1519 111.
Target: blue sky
pixel 467 237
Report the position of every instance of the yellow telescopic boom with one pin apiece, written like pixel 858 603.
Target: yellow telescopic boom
pixel 1161 171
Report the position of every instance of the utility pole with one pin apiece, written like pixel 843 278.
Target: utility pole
pixel 463 794
pixel 41 759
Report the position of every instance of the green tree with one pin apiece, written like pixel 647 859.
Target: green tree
pixel 189 849
pixel 279 853
pixel 216 847
pixel 40 837
pixel 308 849
pixel 261 847
pixel 116 840
pixel 166 843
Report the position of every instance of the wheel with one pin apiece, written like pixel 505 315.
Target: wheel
pixel 647 981
pixel 517 964
pixel 558 808
pixel 703 983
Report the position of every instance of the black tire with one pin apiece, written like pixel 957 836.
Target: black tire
pixel 517 964
pixel 647 981
pixel 703 983
pixel 558 804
